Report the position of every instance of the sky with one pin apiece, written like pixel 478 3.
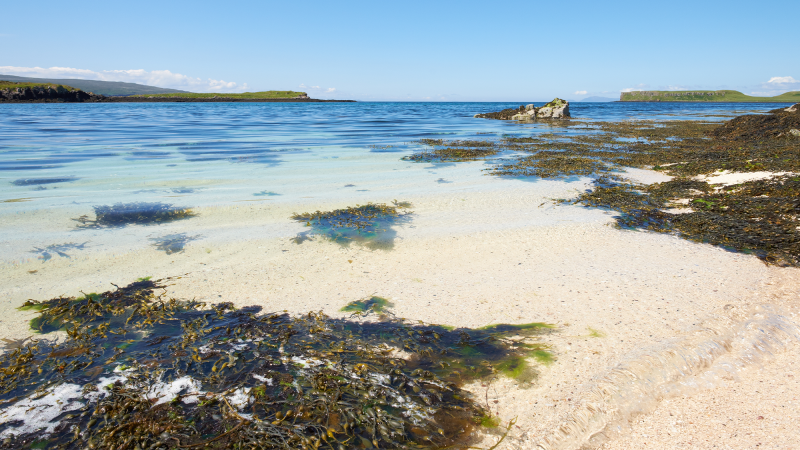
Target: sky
pixel 412 50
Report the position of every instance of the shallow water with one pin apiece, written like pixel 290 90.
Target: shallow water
pixel 73 157
pixel 245 168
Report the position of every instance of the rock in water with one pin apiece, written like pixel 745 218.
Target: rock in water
pixel 556 109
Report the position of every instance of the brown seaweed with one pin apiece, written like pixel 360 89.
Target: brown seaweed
pixel 137 213
pixel 370 225
pixel 251 380
pixel 757 217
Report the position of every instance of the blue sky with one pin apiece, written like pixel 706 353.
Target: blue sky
pixel 412 50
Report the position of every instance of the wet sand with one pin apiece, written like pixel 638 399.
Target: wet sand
pixel 497 252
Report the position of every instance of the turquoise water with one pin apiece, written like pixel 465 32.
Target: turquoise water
pixel 61 160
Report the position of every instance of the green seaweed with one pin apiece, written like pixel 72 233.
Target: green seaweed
pixel 372 304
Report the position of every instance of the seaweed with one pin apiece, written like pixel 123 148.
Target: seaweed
pixel 45 254
pixel 173 243
pixel 140 370
pixel 454 151
pixel 137 213
pixel 757 217
pixel 369 225
pixel 40 181
pixel 372 304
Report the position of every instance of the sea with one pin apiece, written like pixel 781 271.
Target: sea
pixel 67 159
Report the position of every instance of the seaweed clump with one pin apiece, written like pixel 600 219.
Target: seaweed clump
pixel 370 224
pixel 759 217
pixel 139 370
pixel 137 213
pixel 505 114
pixel 454 151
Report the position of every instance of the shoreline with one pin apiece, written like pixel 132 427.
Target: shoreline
pixel 620 284
pixel 640 318
pixel 184 100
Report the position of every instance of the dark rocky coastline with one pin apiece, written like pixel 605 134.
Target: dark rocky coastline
pixel 215 100
pixel 59 94
pixel 43 94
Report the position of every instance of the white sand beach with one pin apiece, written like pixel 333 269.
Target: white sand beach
pixel 657 337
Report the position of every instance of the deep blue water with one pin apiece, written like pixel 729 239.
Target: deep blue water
pixel 35 137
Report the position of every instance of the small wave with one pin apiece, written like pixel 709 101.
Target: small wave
pixel 704 358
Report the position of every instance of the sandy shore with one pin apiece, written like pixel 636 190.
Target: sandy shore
pixel 501 252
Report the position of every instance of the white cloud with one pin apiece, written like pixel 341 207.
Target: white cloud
pixel 316 90
pixel 638 87
pixel 783 80
pixel 581 92
pixel 160 78
pixel 776 86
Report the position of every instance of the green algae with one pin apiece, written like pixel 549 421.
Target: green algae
pixel 258 380
pixel 372 304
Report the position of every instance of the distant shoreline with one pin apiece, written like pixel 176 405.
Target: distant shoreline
pixel 183 100
pixel 700 101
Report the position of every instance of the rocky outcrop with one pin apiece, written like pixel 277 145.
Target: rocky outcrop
pixel 556 109
pixel 47 94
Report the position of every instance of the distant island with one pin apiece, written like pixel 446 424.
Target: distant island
pixel 15 89
pixel 725 96
pixel 107 88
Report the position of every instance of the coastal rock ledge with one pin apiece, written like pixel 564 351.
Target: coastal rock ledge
pixel 556 109
pixel 47 94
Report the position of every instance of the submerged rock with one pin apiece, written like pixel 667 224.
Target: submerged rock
pixel 556 109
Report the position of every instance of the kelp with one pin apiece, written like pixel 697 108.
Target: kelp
pixel 370 225
pixel 756 217
pixel 136 213
pixel 139 370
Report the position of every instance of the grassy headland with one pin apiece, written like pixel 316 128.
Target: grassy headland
pixel 15 85
pixel 705 96
pixel 108 88
pixel 252 95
